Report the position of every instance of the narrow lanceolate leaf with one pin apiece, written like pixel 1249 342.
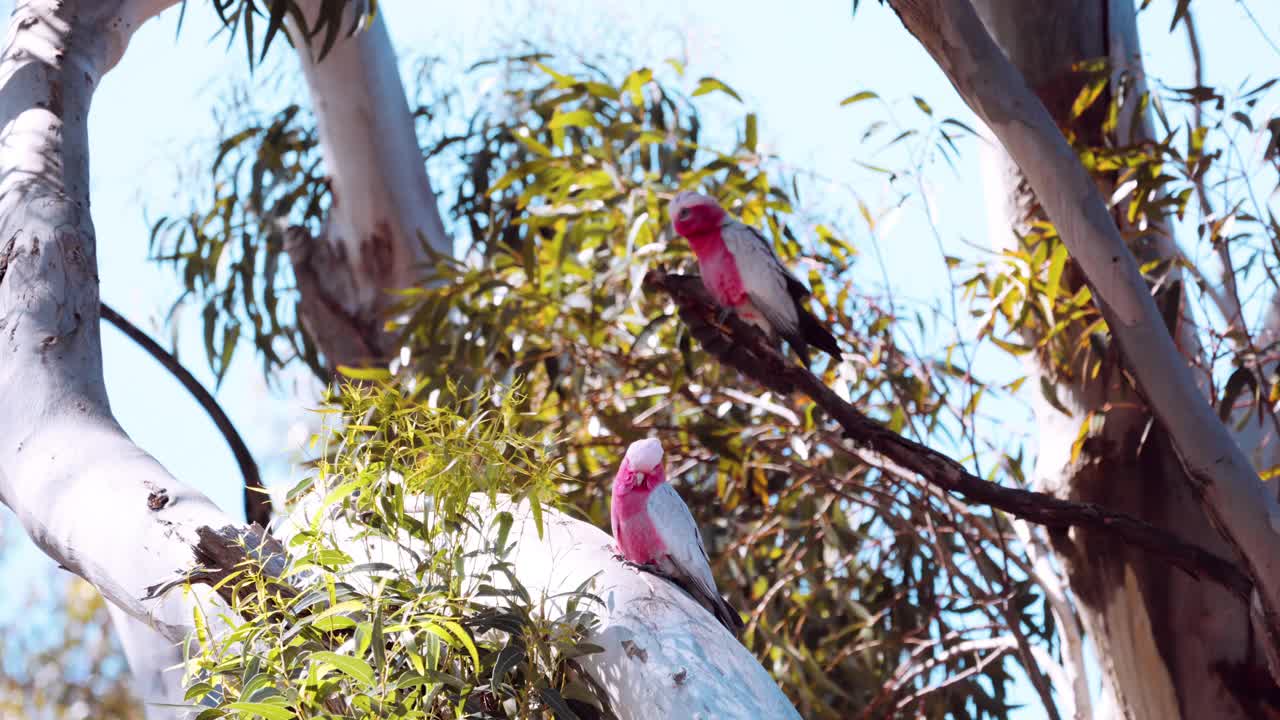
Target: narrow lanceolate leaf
pixel 508 658
pixel 576 118
pixel 858 97
pixel 263 710
pixel 371 373
pixel 710 84
pixel 1051 395
pixel 1057 261
pixel 554 700
pixel 1088 95
pixel 464 639
pixel 357 669
pixel 275 21
pixel 379 641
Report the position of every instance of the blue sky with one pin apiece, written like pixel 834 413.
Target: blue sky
pixel 151 123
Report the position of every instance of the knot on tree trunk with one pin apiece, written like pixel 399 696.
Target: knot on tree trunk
pixel 325 278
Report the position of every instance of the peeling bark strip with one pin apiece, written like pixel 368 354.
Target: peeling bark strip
pixel 1232 493
pixel 232 550
pixel 744 347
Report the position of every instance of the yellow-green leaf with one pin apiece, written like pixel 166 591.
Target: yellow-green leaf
pixel 263 710
pixel 356 668
pixel 858 97
pixel 710 84
pixel 1088 95
pixel 575 118
pixel 1057 262
pixel 365 373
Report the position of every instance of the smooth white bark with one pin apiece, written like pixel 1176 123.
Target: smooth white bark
pixel 84 492
pixel 1074 674
pixel 383 198
pixel 664 655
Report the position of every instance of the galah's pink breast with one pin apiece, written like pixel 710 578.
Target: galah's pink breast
pixel 719 270
pixel 637 538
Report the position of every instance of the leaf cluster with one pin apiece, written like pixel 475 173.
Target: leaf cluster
pixel 423 625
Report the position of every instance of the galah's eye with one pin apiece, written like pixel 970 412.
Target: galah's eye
pixel 684 214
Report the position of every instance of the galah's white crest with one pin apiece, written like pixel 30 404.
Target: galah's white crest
pixel 743 274
pixel 654 529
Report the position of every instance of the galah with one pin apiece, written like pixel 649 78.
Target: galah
pixel 743 274
pixel 655 530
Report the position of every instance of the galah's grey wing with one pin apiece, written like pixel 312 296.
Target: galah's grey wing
pixel 678 532
pixel 775 292
pixel 764 278
pixel 686 561
pixel 798 289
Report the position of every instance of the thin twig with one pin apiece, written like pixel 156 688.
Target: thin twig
pixel 257 503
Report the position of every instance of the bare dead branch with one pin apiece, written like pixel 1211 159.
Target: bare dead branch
pixel 745 348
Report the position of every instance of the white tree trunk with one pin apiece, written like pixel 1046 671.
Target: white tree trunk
pixel 85 493
pixel 384 210
pixel 1167 645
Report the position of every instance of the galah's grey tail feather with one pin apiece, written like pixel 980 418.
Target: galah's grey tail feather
pixel 795 338
pixel 727 616
pixel 709 599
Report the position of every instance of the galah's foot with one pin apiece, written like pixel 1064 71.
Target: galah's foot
pixel 653 569
pixel 638 567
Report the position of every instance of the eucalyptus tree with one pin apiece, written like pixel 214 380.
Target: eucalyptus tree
pixel 492 350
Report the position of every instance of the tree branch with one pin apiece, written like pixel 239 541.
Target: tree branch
pixel 663 655
pixel 1219 471
pixel 1228 296
pixel 85 493
pixel 257 503
pixel 745 348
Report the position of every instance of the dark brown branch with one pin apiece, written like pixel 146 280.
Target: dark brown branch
pixel 257 503
pixel 745 348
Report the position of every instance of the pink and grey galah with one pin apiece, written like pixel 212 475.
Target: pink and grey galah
pixel 655 530
pixel 743 274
